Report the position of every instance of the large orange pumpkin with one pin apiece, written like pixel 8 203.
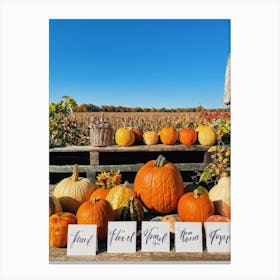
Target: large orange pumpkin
pixel 58 228
pixel 187 136
pixel 96 211
pixel 159 185
pixel 168 135
pixel 193 207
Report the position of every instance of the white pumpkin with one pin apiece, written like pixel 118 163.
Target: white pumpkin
pixel 73 191
pixel 220 196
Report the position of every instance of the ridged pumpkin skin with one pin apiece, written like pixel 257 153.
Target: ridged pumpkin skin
pixel 168 135
pixel 54 205
pixel 159 185
pixel 206 135
pixel 150 137
pixel 96 211
pixel 187 136
pixel 119 194
pixel 73 191
pixel 130 210
pixel 124 137
pixel 58 228
pixel 193 207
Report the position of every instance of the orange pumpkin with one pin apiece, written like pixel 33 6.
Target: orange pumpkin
pixel 99 193
pixel 168 135
pixel 217 218
pixel 96 211
pixel 187 136
pixel 138 134
pixel 159 185
pixel 58 228
pixel 193 207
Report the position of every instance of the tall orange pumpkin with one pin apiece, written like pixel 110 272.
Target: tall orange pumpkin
pixel 168 135
pixel 159 185
pixel 187 136
pixel 96 211
pixel 193 207
pixel 58 228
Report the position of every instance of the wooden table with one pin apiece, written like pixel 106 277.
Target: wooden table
pixel 58 255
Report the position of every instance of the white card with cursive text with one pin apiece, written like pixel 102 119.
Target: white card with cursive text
pixel 217 237
pixel 188 237
pixel 155 237
pixel 82 240
pixel 121 237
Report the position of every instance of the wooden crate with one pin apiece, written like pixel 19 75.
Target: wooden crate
pixel 92 160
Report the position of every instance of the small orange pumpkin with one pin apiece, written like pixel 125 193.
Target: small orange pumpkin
pixel 187 136
pixel 168 135
pixel 58 228
pixel 100 193
pixel 96 211
pixel 138 133
pixel 193 207
pixel 159 185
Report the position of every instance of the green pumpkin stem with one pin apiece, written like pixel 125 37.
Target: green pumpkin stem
pixel 161 161
pixel 75 175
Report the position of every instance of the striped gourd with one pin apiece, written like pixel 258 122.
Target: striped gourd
pixel 130 210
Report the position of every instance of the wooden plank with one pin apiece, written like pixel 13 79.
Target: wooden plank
pixel 59 255
pixel 134 148
pixel 94 158
pixel 122 167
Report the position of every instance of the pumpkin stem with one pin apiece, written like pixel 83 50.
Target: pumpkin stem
pixel 196 193
pixel 161 161
pixel 125 184
pixel 75 175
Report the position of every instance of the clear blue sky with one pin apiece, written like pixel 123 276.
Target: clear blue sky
pixel 139 63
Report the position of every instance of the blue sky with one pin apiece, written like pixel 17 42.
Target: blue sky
pixel 139 63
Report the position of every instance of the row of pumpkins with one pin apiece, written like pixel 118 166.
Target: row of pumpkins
pixel 158 186
pixel 205 135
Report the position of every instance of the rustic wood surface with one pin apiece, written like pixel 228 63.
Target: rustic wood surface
pixel 59 255
pixel 122 167
pixel 134 148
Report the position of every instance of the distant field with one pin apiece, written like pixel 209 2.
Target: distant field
pixel 151 120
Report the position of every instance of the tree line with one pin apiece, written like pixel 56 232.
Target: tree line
pixel 111 108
